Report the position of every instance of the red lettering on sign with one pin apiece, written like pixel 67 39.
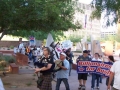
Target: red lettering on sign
pixel 79 63
pixel 83 63
pixel 90 68
pixel 103 71
pixel 94 64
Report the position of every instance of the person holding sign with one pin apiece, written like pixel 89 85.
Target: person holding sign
pixel 94 75
pixel 82 77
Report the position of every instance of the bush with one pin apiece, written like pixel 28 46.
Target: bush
pixel 3 63
pixel 9 59
pixel 11 47
pixel 5 60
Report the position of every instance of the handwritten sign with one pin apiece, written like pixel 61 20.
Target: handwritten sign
pixel 102 68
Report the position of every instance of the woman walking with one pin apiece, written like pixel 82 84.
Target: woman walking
pixel 95 76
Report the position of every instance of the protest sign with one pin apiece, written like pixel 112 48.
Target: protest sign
pixel 102 68
pixel 32 40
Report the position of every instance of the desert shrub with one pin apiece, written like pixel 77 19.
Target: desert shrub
pixel 9 59
pixel 11 47
pixel 5 60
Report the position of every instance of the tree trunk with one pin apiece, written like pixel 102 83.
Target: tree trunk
pixel 2 34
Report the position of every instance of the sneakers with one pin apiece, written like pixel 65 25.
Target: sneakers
pixel 83 87
pixel 92 88
pixel 97 88
pixel 80 86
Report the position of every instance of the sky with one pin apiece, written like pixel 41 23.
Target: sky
pixel 85 1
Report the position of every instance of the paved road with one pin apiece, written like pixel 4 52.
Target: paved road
pixel 73 82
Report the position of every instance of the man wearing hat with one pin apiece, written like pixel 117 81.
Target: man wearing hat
pixel 63 74
pixel 82 77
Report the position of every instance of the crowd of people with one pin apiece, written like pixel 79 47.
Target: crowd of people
pixel 46 68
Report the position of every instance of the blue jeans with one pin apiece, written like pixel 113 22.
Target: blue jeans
pixel 100 79
pixel 34 59
pixel 95 77
pixel 65 80
pixel 30 56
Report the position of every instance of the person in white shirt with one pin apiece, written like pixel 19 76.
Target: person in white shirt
pixel 15 50
pixel 115 72
pixel 20 46
pixel 23 51
pixel 94 75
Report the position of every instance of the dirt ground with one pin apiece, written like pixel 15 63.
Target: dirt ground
pixel 20 82
pixel 25 80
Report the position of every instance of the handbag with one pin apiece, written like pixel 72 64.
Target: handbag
pixel 39 81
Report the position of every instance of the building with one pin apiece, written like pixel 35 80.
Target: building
pixel 107 33
pixel 89 27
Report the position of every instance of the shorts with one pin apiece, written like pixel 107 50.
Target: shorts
pixel 82 76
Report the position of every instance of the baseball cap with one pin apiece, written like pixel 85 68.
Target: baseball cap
pixel 63 54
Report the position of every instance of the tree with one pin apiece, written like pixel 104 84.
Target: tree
pixel 111 7
pixel 112 38
pixel 39 35
pixel 74 38
pixel 36 15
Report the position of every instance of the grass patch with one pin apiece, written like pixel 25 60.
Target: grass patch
pixel 34 74
pixel 6 83
pixel 29 84
pixel 26 67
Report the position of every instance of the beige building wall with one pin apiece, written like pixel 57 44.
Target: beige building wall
pixel 93 27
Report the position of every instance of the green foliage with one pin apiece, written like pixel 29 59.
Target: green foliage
pixel 111 38
pixel 5 60
pixel 77 51
pixel 11 47
pixel 31 16
pixel 74 38
pixel 39 35
pixel 88 39
pixel 111 7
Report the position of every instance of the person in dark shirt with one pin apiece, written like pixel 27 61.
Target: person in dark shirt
pixel 82 77
pixel 69 58
pixel 46 65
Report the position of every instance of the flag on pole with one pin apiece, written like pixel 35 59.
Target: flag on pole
pixel 85 21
